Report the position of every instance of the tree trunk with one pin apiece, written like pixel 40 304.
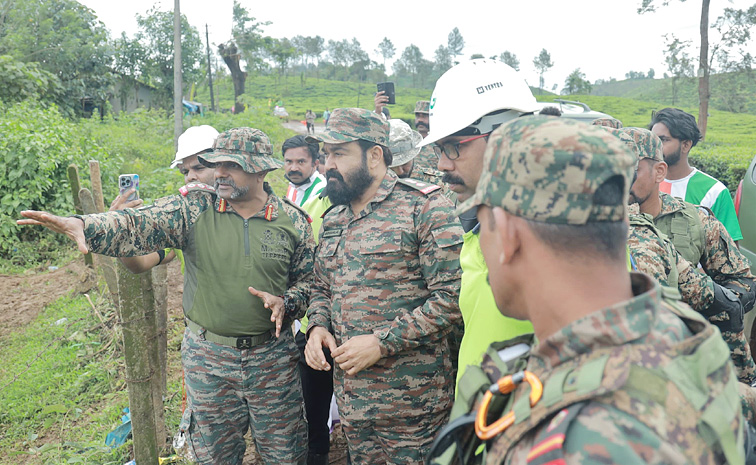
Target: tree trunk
pixel 231 57
pixel 704 71
pixel 178 83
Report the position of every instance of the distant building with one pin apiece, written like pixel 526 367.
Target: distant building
pixel 129 94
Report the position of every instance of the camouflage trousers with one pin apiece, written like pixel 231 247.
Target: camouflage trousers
pixel 400 440
pixel 230 390
pixel 740 354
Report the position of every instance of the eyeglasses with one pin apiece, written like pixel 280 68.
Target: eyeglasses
pixel 452 150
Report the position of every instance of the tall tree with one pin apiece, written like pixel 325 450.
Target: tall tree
pixel 455 43
pixel 410 63
pixel 386 49
pixel 678 62
pixel 542 63
pixel 156 37
pixel 704 71
pixel 281 51
pixel 442 59
pixel 510 59
pixel 576 83
pixel 67 40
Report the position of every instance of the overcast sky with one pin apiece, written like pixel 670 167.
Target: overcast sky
pixel 604 38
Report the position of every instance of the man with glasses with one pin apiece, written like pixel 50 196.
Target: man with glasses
pixel 469 101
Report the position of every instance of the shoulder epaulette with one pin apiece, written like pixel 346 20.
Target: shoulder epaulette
pixel 301 210
pixel 423 187
pixel 195 186
pixel 707 211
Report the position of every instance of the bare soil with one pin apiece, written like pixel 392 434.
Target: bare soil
pixel 23 297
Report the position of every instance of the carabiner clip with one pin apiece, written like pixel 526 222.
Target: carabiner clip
pixel 505 385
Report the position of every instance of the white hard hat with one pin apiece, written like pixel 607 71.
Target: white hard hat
pixel 469 91
pixel 194 140
pixel 403 142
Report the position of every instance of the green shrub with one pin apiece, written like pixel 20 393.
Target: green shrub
pixel 37 146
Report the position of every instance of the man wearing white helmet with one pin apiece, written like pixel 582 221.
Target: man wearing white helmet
pixel 469 101
pixel 194 141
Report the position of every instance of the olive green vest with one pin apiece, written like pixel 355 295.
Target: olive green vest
pixel 685 230
pixel 608 376
pixel 645 220
pixel 226 255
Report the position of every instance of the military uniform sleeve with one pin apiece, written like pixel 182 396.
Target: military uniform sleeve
pixel 650 255
pixel 723 261
pixel 319 311
pixel 440 241
pixel 297 295
pixel 131 232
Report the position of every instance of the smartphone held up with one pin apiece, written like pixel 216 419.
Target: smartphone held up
pixel 126 182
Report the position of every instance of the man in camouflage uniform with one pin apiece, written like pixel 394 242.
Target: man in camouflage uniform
pixel 248 270
pixel 426 159
pixel 403 144
pixel 612 123
pixel 729 293
pixel 613 355
pixel 385 295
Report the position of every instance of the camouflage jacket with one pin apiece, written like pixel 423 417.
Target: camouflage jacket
pixel 435 177
pixel 426 159
pixel 392 271
pixel 224 254
pixel 627 426
pixel 720 257
pixel 656 256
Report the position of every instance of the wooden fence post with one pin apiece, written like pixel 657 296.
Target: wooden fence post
pixel 75 183
pixel 106 264
pixel 94 176
pixel 160 289
pixel 138 337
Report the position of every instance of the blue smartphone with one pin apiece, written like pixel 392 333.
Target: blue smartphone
pixel 126 182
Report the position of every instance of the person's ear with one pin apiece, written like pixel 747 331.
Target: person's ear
pixel 686 146
pixel 506 235
pixel 375 156
pixel 660 171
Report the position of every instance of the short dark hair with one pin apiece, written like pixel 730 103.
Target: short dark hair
pixel 605 240
pixel 551 111
pixel 300 141
pixel 366 145
pixel 681 125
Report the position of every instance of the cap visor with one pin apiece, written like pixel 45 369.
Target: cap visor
pixel 331 137
pixel 468 204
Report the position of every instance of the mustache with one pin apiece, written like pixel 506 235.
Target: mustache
pixel 224 182
pixel 418 124
pixel 333 174
pixel 451 179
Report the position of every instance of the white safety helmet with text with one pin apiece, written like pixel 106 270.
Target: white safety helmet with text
pixel 475 97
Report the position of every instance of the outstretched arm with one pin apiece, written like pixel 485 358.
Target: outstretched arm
pixel 70 226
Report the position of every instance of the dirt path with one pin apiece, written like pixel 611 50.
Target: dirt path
pixel 23 297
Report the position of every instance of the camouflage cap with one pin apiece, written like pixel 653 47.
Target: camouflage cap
pixel 644 143
pixel 422 106
pixel 351 124
pixel 607 122
pixel 403 142
pixel 548 169
pixel 248 147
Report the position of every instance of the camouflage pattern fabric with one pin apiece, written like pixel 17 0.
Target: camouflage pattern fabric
pixel 722 261
pixel 403 141
pixel 171 222
pixel 224 401
pixel 407 439
pixel 422 106
pixel 427 159
pixel 607 122
pixel 652 256
pixel 547 169
pixel 247 147
pixel 351 124
pixel 614 428
pixel 643 142
pixel 433 177
pixel 392 270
